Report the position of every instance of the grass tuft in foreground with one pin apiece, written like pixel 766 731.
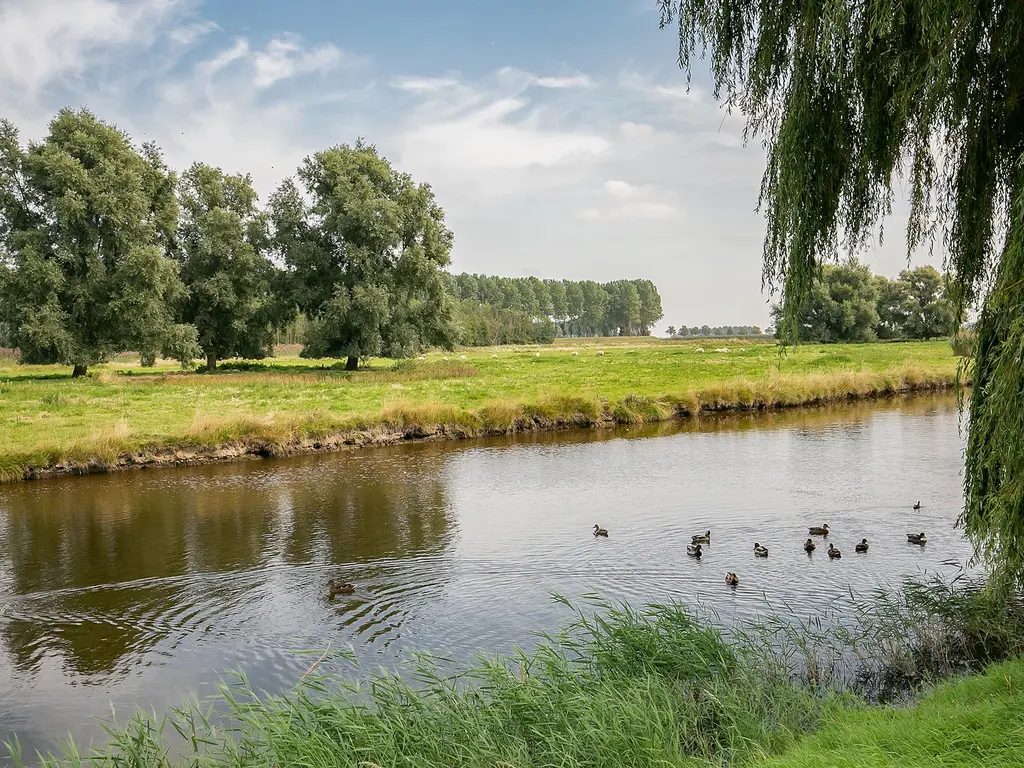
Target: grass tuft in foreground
pixel 627 687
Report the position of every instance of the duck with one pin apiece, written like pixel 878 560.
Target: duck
pixel 918 505
pixel 833 553
pixel 917 538
pixel 760 551
pixel 599 531
pixel 694 550
pixel 862 547
pixel 704 538
pixel 810 546
pixel 816 531
pixel 335 587
pixel 732 579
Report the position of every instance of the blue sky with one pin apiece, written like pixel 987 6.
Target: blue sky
pixel 559 136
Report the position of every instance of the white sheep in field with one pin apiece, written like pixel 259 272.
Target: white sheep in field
pixel 575 354
pixel 600 353
pixel 699 350
pixel 422 357
pixel 722 349
pixel 445 359
pixel 536 354
pixel 494 357
pixel 462 357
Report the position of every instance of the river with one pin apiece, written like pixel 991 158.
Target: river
pixel 141 588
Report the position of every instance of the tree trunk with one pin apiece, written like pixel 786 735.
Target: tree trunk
pixel 352 363
pixel 79 370
pixel 211 361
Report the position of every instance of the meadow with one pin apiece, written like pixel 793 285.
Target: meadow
pixel 122 414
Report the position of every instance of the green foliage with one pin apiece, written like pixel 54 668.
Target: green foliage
pixel 223 238
pixel 847 96
pixel 718 330
pixel 85 220
pixel 367 252
pixel 840 307
pixel 618 308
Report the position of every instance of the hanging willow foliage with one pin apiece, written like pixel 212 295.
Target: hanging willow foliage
pixel 850 95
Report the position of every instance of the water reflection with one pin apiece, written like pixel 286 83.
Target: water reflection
pixel 141 587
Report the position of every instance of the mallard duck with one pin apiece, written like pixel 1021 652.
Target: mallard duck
pixel 833 553
pixel 694 550
pixel 862 547
pixel 732 579
pixel 704 538
pixel 599 531
pixel 918 505
pixel 816 531
pixel 917 538
pixel 810 546
pixel 760 551
pixel 335 587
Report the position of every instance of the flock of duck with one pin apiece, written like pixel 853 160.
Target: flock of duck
pixel 694 548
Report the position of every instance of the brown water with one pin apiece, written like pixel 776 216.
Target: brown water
pixel 140 588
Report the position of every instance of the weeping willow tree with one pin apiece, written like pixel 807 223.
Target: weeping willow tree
pixel 850 97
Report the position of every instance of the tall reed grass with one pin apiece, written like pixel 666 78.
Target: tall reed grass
pixel 619 686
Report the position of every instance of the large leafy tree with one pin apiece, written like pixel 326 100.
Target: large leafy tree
pixel 223 239
pixel 85 222
pixel 366 246
pixel 849 94
pixel 842 305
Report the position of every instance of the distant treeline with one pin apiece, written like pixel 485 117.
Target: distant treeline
pixel 718 330
pixel 849 303
pixel 504 310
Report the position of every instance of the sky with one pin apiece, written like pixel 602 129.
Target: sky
pixel 559 136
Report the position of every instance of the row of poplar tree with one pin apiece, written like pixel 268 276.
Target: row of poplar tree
pixel 553 308
pixel 105 249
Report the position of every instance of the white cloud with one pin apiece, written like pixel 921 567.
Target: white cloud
pixel 188 34
pixel 574 81
pixel 424 84
pixel 618 188
pixel 42 41
pixel 285 57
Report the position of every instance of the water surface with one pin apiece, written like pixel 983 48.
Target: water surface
pixel 140 588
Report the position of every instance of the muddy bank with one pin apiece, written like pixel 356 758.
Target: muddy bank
pixel 610 415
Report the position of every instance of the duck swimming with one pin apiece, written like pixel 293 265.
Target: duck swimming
pixel 917 538
pixel 810 546
pixel 834 553
pixel 862 547
pixel 704 538
pixel 694 550
pixel 732 579
pixel 760 551
pixel 918 505
pixel 335 587
pixel 599 531
pixel 816 531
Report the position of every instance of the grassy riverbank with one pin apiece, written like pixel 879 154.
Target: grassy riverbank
pixel 123 415
pixel 653 687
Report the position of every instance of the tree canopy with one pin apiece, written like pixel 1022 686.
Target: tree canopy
pixel 848 96
pixel 223 238
pixel 367 252
pixel 85 223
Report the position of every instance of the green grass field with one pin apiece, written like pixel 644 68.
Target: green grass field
pixel 978 721
pixel 47 418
